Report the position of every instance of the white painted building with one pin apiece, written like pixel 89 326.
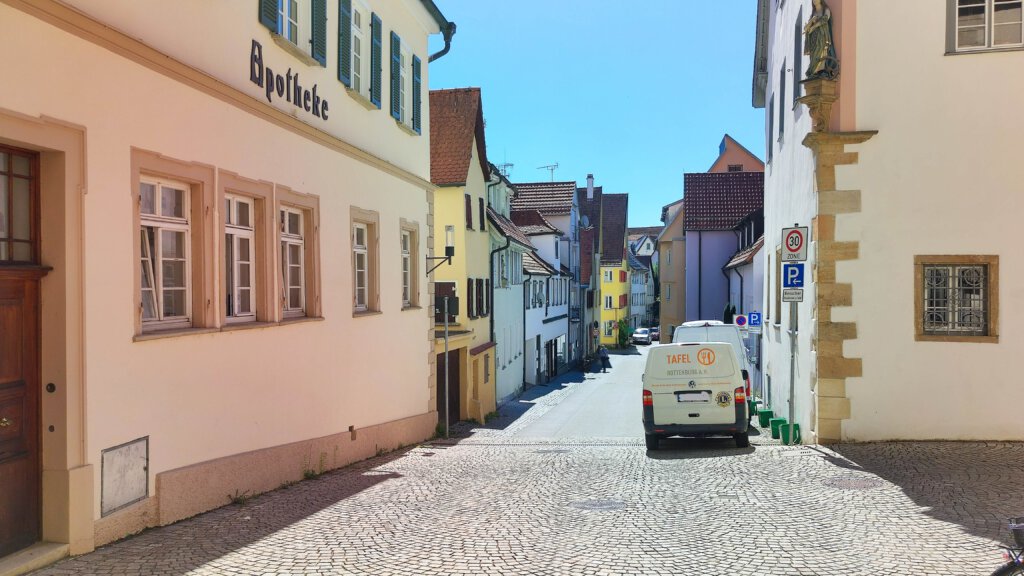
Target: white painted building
pixel 508 318
pixel 546 299
pixel 912 187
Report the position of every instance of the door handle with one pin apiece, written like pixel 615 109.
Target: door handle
pixel 4 422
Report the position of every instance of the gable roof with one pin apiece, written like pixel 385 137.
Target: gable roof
pixel 614 209
pixel 548 198
pixel 508 228
pixel 533 223
pixel 456 118
pixel 720 200
pixel 746 255
pixel 536 266
pixel 587 247
pixel 667 209
pixel 590 208
pixel 738 152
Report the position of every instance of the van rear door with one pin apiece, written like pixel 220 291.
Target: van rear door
pixel 692 383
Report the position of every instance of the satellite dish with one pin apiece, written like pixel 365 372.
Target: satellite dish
pixel 586 221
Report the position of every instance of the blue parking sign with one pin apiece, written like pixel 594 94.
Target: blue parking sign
pixel 754 318
pixel 793 275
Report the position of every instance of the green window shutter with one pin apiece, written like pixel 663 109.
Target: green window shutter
pixel 376 57
pixel 268 14
pixel 318 42
pixel 396 76
pixel 345 42
pixel 417 100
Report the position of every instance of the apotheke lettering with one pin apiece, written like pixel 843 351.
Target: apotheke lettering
pixel 286 86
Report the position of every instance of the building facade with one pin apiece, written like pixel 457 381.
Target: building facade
pixel 615 284
pixel 907 325
pixel 461 172
pixel 167 258
pixel 508 246
pixel 672 270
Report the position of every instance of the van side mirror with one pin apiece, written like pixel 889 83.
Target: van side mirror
pixel 746 375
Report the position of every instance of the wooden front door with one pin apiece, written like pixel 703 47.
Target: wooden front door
pixel 448 404
pixel 19 410
pixel 20 464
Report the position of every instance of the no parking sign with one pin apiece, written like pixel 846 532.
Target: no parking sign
pixel 740 320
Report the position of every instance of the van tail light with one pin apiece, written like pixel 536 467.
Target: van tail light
pixel 741 395
pixel 746 378
pixel 648 398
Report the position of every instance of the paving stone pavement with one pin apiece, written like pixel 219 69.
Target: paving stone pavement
pixel 493 503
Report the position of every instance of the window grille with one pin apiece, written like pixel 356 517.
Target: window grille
pixel 955 300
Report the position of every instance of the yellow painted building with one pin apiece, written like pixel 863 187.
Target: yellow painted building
pixel 615 282
pixel 460 170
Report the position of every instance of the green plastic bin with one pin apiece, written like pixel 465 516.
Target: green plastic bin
pixel 784 432
pixel 764 416
pixel 775 423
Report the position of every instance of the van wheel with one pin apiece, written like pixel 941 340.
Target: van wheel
pixel 652 441
pixel 742 440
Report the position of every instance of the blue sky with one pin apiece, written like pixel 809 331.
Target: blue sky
pixel 637 93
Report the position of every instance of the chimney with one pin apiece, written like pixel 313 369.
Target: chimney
pixel 590 186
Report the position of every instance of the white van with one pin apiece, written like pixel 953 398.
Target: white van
pixel 694 389
pixel 716 331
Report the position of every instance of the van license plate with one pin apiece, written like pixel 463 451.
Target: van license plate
pixel 698 396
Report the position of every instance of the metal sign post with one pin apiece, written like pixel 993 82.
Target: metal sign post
pixel 794 249
pixel 447 400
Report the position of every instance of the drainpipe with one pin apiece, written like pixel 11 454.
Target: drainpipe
pixel 700 275
pixel 447 31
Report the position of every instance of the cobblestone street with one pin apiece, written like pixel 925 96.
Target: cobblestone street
pixel 495 501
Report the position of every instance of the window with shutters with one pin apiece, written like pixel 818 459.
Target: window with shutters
pixel 481 298
pixel 354 43
pixel 365 226
pixel 482 212
pixel 956 298
pixel 471 310
pixel 469 212
pixel 977 25
pixel 299 26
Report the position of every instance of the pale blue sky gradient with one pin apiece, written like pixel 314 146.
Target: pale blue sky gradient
pixel 637 93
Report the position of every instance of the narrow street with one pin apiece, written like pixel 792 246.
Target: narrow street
pixel 560 483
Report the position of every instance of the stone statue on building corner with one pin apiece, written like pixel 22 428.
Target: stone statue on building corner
pixel 819 45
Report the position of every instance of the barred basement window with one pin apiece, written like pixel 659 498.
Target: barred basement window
pixel 956 297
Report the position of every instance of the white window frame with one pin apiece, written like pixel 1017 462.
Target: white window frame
pixel 609 327
pixel 609 275
pixel 152 254
pixel 234 235
pixel 608 303
pixel 361 250
pixel 407 285
pixel 290 238
pixel 360 49
pixel 989 25
pixel 405 85
pixel 297 13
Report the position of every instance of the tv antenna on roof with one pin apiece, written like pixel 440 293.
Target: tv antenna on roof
pixel 550 168
pixel 505 169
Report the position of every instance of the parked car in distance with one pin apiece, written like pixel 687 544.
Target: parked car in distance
pixel 641 336
pixel 716 331
pixel 694 389
pixel 656 335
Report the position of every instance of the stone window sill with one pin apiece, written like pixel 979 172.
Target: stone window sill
pixel 294 50
pixel 362 99
pixel 363 313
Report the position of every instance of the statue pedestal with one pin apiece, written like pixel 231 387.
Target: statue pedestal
pixel 819 95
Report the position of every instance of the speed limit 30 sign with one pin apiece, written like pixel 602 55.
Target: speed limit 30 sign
pixel 794 244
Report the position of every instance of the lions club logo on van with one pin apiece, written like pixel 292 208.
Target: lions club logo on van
pixel 722 399
pixel 706 356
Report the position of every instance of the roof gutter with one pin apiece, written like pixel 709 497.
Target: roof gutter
pixel 447 30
